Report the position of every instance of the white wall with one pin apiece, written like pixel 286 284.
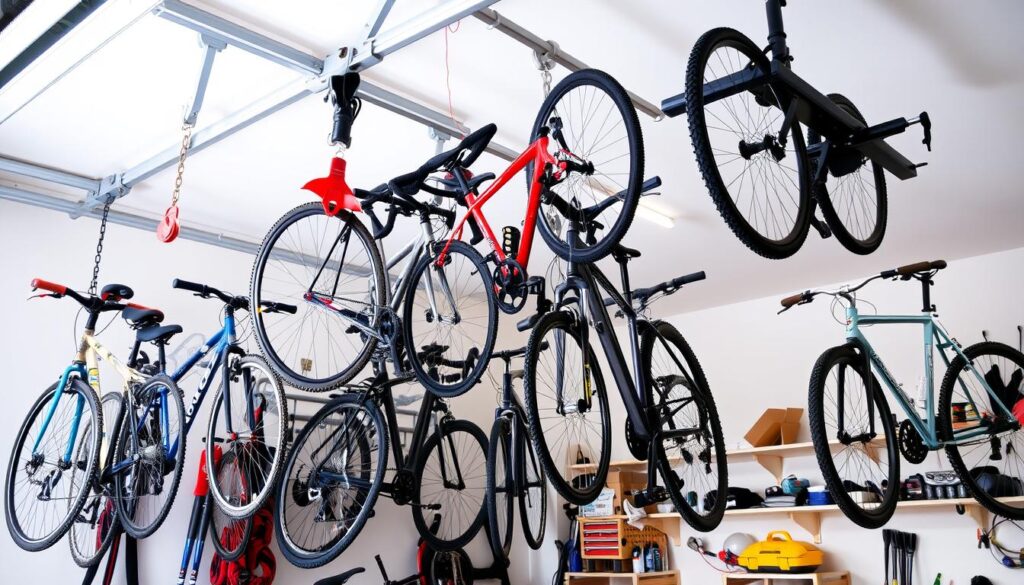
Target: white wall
pixel 38 343
pixel 754 360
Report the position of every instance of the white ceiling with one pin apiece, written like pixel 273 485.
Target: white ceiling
pixel 959 60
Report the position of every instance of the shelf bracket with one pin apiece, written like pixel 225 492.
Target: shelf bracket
pixel 978 513
pixel 809 521
pixel 671 525
pixel 772 463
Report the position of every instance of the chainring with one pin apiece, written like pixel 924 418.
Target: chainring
pixel 510 286
pixel 911 444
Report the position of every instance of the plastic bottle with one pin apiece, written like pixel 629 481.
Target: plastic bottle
pixel 648 558
pixel 656 554
pixel 638 564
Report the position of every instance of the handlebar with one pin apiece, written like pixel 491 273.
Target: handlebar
pixel 642 295
pixel 205 291
pixel 58 289
pixel 905 272
pixel 91 303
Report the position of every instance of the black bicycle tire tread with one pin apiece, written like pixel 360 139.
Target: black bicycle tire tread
pixel 622 100
pixel 487 348
pixel 378 265
pixel 698 522
pixel 421 462
pixel 500 544
pixel 945 426
pixel 533 541
pixel 175 482
pixel 551 470
pixel 86 561
pixel 706 162
pixel 823 452
pixel 383 441
pixel 50 540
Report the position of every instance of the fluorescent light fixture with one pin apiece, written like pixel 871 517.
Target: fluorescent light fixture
pixel 28 26
pixel 654 216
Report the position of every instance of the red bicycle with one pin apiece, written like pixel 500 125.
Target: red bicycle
pixel 436 318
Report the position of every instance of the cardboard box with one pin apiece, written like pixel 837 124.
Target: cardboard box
pixel 776 426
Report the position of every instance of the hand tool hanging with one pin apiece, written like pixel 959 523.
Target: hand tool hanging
pixel 168 228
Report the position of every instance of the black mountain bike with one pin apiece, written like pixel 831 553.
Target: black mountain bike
pixel 671 417
pixel 745 112
pixel 513 469
pixel 336 471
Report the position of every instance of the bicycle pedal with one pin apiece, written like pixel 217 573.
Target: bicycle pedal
pixel 535 285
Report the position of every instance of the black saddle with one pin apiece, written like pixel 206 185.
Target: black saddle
pixel 116 292
pixel 340 579
pixel 158 334
pixel 140 317
pixel 622 253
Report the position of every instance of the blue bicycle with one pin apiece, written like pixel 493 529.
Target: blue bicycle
pixel 978 418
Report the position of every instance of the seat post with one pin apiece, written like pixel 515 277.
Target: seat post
pixel 776 30
pixel 926 294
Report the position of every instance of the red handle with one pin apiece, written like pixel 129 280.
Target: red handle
pixel 50 286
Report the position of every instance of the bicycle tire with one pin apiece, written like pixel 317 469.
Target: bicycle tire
pixel 366 412
pixel 442 540
pixel 289 372
pixel 707 417
pixel 252 444
pixel 440 568
pixel 862 245
pixel 534 535
pixel 632 185
pixel 789 240
pixel 1015 444
pixel 110 526
pixel 500 519
pixel 126 504
pixel 464 379
pixel 35 543
pixel 877 516
pixel 585 491
pixel 230 536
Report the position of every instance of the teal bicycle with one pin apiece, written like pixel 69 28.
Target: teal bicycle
pixel 978 418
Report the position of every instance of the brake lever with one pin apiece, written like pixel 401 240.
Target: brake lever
pixel 43 295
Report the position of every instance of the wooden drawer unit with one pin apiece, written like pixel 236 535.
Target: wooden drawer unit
pixel 613 538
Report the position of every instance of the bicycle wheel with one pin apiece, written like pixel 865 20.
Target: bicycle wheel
pixel 95 527
pixel 449 319
pixel 332 478
pixel 856 207
pixel 567 407
pixel 533 492
pixel 151 451
pixel 862 476
pixel 691 453
pixel 230 535
pixel 600 127
pixel 256 437
pixel 451 478
pixel 449 568
pixel 331 269
pixel 967 408
pixel 500 489
pixel 41 501
pixel 760 186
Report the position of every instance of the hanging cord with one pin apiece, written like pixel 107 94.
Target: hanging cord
pixel 448 74
pixel 995 547
pixel 99 247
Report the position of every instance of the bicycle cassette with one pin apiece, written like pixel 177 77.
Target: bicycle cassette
pixel 911 444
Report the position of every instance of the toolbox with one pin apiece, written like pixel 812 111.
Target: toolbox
pixel 613 538
pixel 779 553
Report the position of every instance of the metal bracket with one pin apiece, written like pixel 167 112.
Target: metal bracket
pixel 211 46
pixel 111 189
pixel 545 59
pixel 439 139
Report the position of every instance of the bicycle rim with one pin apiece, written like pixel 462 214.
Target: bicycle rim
pixel 230 536
pixel 533 492
pixel 34 523
pixel 330 268
pixel 499 491
pixel 256 438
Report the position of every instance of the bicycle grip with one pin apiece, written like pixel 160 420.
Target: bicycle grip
pixel 792 300
pixel 274 307
pixel 688 278
pixel 189 286
pixel 920 267
pixel 53 287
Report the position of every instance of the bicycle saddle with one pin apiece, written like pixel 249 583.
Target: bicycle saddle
pixel 116 292
pixel 158 334
pixel 622 253
pixel 342 578
pixel 463 155
pixel 139 317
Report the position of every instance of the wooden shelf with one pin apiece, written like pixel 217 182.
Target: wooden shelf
pixel 809 517
pixel 653 578
pixel 771 458
pixel 830 578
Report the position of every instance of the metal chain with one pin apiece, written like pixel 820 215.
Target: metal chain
pixel 186 141
pixel 99 246
pixel 545 76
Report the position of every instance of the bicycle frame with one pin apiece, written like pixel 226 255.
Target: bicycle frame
pixel 935 336
pixel 538 154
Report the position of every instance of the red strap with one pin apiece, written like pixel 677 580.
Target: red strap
pixel 50 286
